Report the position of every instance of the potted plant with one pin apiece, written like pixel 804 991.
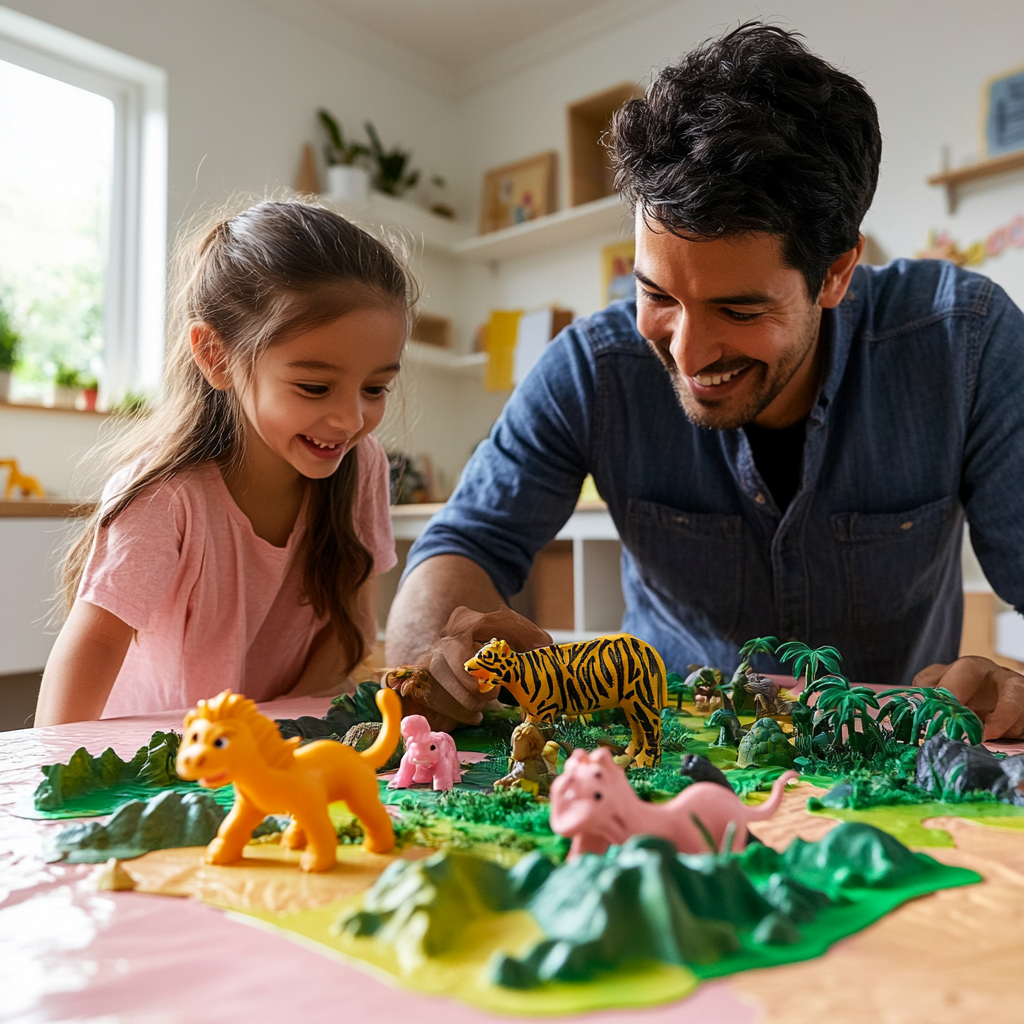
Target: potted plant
pixel 90 391
pixel 390 172
pixel 347 181
pixel 67 382
pixel 10 342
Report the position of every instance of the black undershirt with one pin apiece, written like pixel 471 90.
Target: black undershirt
pixel 779 457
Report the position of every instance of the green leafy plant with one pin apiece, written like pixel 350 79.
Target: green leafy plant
pixel 391 173
pixel 65 376
pixel 89 382
pixel 337 150
pixel 10 342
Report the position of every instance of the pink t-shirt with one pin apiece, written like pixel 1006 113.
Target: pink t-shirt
pixel 214 606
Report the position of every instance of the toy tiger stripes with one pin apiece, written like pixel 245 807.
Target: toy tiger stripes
pixel 619 670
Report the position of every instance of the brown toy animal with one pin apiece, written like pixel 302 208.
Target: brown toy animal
pixel 530 769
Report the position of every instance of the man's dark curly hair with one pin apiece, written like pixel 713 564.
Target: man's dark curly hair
pixel 753 132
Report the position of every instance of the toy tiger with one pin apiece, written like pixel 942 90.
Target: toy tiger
pixel 619 670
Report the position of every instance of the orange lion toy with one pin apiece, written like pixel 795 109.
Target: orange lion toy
pixel 227 740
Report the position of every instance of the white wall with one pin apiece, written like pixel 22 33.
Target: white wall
pixel 244 85
pixel 924 63
pixel 245 82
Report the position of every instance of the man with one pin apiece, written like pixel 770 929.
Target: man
pixel 787 442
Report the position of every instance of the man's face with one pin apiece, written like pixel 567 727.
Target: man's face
pixel 733 326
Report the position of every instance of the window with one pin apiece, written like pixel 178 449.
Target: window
pixel 82 208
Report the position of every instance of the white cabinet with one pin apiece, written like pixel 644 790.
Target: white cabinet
pixel 30 553
pixel 575 587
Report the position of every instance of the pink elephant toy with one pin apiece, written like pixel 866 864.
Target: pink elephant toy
pixel 593 804
pixel 428 756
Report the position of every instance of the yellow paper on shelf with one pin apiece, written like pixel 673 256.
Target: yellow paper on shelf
pixel 502 329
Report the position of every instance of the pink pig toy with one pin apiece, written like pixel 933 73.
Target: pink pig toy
pixel 593 804
pixel 428 756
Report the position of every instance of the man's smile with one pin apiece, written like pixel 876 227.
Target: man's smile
pixel 713 380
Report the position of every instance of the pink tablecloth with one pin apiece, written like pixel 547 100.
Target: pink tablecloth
pixel 67 953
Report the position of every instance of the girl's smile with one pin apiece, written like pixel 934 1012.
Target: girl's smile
pixel 313 396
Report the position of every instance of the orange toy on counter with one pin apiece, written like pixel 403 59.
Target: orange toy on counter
pixel 18 481
pixel 227 740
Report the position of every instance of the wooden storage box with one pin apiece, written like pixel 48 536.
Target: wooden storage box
pixel 590 170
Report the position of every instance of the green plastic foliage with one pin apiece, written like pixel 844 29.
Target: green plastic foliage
pixel 152 765
pixel 766 745
pixel 168 820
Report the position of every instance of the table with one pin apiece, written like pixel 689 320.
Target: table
pixel 68 953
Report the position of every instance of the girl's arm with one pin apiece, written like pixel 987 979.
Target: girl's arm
pixel 82 666
pixel 323 674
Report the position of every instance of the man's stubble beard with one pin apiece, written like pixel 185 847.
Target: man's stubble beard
pixel 762 388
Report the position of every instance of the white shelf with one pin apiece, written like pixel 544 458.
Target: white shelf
pixel 425 228
pixel 443 358
pixel 591 220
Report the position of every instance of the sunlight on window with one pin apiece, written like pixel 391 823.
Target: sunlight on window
pixel 56 171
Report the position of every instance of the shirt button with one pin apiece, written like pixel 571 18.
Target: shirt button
pixel 907 525
pixel 759 498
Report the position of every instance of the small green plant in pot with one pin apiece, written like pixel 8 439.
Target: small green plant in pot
pixel 347 181
pixel 67 382
pixel 90 391
pixel 391 172
pixel 10 343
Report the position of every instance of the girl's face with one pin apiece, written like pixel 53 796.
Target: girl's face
pixel 315 395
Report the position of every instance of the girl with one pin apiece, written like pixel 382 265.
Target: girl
pixel 236 545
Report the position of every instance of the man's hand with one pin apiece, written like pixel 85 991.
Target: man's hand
pixel 994 693
pixel 464 634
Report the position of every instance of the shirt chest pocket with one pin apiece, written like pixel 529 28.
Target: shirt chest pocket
pixel 694 560
pixel 894 562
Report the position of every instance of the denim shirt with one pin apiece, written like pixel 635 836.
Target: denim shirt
pixel 919 421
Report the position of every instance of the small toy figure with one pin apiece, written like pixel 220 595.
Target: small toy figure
pixel 227 740
pixel 423 695
pixel 530 768
pixel 593 804
pixel 18 481
pixel 730 732
pixel 429 756
pixel 571 679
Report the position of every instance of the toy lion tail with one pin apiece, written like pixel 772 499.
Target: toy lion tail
pixel 383 747
pixel 771 805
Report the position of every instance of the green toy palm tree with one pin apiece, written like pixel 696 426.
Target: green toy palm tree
pixel 757 645
pixel 916 710
pixel 808 662
pixel 941 710
pixel 901 710
pixel 840 707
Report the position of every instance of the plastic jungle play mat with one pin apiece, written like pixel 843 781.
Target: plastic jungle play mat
pixel 943 945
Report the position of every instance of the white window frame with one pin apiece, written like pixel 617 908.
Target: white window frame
pixel 134 286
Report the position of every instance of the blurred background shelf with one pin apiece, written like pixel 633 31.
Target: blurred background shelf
pixel 577 223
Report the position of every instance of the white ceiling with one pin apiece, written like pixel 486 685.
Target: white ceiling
pixel 455 46
pixel 457 33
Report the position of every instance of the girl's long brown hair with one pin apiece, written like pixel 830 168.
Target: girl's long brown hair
pixel 264 274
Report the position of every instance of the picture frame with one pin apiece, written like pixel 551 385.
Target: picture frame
pixel 1004 113
pixel 518 192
